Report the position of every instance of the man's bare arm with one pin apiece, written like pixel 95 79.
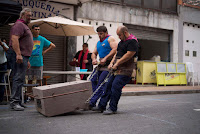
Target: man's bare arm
pixel 94 56
pixel 124 58
pixel 16 48
pixel 49 48
pixel 113 44
pixel 4 47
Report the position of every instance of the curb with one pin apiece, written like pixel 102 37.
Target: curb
pixel 138 93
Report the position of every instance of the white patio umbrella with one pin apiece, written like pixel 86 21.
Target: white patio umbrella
pixel 62 27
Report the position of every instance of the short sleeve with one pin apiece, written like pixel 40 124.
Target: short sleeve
pixel 46 42
pixel 132 46
pixel 17 29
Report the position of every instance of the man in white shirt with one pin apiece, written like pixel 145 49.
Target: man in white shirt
pixel 3 67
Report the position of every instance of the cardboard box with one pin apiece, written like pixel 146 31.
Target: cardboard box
pixel 55 99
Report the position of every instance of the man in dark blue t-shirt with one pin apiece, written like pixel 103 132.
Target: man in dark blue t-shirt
pixel 123 63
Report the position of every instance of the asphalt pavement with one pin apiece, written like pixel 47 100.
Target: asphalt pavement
pixel 149 114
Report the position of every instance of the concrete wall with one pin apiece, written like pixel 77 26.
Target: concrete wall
pixel 111 27
pixel 189 29
pixel 191 42
pixel 122 14
pixel 190 15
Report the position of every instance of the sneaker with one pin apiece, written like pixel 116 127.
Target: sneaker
pixel 16 107
pixel 98 109
pixel 109 112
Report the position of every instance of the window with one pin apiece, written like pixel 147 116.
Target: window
pixel 155 4
pixel 186 52
pixel 119 1
pixel 194 53
pixel 169 5
pixel 133 2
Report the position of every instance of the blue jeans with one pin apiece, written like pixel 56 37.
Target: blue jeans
pixel 3 67
pixel 100 76
pixel 18 72
pixel 114 91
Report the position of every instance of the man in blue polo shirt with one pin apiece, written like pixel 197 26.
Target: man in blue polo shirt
pixel 36 59
pixel 105 48
pixel 123 63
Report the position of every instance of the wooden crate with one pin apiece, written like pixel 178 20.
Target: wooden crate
pixel 55 99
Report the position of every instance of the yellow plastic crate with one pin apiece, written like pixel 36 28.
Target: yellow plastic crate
pixel 168 73
pixel 146 72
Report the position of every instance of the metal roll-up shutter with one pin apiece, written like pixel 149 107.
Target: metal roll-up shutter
pixel 147 33
pixel 5 32
pixel 54 59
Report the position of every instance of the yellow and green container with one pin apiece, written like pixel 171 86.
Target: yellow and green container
pixel 168 73
pixel 146 72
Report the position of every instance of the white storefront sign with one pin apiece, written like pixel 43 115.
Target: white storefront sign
pixel 42 9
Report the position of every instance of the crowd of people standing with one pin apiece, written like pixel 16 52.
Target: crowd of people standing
pixel 26 58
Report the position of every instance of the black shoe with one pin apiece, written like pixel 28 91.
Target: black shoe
pixel 16 107
pixel 98 109
pixel 3 103
pixel 109 112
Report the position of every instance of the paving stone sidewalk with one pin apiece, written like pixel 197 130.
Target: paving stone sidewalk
pixel 137 90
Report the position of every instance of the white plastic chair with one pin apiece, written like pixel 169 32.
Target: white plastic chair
pixel 7 82
pixel 191 74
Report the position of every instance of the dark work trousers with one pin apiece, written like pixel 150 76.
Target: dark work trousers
pixel 101 75
pixel 18 72
pixel 3 67
pixel 114 91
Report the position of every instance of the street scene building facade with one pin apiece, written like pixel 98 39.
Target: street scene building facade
pixel 168 28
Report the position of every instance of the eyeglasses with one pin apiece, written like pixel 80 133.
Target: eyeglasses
pixel 37 29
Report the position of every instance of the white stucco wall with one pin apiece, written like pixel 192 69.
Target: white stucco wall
pixel 111 26
pixel 118 14
pixel 192 34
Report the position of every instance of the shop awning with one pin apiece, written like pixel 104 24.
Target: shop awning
pixel 9 11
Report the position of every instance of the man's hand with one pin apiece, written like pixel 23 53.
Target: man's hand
pixel 94 62
pixel 110 66
pixel 103 61
pixel 29 65
pixel 115 66
pixel 19 59
pixel 74 59
pixel 85 61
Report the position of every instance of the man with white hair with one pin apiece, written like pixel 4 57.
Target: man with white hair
pixel 21 44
